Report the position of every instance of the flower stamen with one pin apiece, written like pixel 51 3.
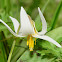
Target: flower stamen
pixel 35 41
pixel 30 42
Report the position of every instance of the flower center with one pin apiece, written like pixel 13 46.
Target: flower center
pixel 30 42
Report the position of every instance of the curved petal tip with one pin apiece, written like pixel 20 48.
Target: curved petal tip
pixel 15 23
pixel 38 8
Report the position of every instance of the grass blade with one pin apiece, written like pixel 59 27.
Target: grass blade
pixel 54 20
pixel 3 53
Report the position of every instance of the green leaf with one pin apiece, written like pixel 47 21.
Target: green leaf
pixel 55 34
pixel 34 58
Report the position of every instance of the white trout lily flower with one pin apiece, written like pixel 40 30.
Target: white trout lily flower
pixel 26 27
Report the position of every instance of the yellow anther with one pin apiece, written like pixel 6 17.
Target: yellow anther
pixel 28 40
pixel 35 41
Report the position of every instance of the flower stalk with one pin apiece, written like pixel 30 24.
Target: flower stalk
pixel 12 48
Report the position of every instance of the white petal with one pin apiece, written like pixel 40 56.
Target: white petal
pixel 10 29
pixel 48 39
pixel 26 27
pixel 44 24
pixel 15 23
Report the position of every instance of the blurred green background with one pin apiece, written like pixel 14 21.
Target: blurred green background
pixel 43 51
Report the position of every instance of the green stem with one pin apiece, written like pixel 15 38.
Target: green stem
pixel 9 58
pixel 55 17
